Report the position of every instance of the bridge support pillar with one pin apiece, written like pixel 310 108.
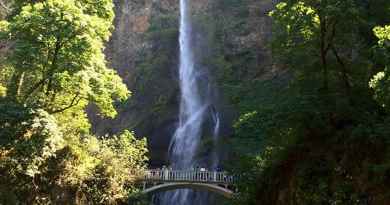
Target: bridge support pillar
pixel 166 174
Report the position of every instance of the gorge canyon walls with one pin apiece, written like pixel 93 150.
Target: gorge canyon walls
pixel 232 38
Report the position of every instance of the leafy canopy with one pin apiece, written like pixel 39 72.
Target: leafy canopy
pixel 58 57
pixel 381 81
pixel 313 139
pixel 54 68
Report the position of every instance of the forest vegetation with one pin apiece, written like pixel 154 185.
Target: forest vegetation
pixel 54 68
pixel 322 135
pixel 319 134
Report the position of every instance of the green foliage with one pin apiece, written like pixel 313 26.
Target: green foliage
pixel 311 35
pixel 380 82
pixel 37 162
pixel 3 91
pixel 107 167
pixel 298 24
pixel 29 138
pixel 59 52
pixel 55 68
pixel 311 138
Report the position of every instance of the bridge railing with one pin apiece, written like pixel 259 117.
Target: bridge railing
pixel 162 175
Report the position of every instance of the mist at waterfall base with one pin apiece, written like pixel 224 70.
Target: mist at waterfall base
pixel 198 117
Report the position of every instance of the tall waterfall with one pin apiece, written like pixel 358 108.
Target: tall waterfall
pixel 192 107
pixel 195 109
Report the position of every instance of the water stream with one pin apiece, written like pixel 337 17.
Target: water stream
pixel 195 109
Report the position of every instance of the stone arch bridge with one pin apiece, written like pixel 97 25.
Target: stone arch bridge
pixel 159 180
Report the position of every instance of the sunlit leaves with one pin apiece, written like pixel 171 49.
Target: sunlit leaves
pixel 59 49
pixel 380 82
pixel 35 155
pixel 4 26
pixel 300 20
pixel 55 68
pixel 296 32
pixel 298 24
pixel 107 167
pixel 29 137
pixel 383 34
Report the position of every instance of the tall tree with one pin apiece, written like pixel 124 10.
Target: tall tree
pixel 55 67
pixel 58 59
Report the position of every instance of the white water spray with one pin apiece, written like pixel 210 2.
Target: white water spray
pixel 194 107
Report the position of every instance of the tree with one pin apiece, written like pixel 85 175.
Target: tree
pixel 39 165
pixel 28 139
pixel 58 58
pixel 53 70
pixel 320 134
pixel 320 36
pixel 381 81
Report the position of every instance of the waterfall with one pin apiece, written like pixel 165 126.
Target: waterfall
pixel 192 107
pixel 195 108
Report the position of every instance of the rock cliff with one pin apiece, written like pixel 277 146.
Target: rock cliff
pixel 232 37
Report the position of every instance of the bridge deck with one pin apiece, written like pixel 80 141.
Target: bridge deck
pixel 210 177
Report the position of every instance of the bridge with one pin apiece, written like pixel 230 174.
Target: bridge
pixel 158 180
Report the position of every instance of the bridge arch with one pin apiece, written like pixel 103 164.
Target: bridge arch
pixel 188 185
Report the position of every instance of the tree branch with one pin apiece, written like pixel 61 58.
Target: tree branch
pixel 53 64
pixel 344 70
pixel 326 43
pixel 323 52
pixel 74 102
pixel 20 84
pixel 333 34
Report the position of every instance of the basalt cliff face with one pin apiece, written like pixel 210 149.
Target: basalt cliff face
pixel 232 38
